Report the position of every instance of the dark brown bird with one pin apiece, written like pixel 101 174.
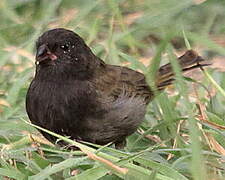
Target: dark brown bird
pixel 74 93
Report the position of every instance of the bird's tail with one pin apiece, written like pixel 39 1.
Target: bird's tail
pixel 190 60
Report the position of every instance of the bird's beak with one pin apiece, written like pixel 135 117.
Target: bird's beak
pixel 44 54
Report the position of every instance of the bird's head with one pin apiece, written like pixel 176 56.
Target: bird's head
pixel 62 47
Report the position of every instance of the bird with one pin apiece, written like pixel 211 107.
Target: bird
pixel 74 93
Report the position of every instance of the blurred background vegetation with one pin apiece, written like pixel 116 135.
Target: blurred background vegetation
pixel 182 136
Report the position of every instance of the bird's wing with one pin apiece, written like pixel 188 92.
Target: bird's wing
pixel 113 82
pixel 122 96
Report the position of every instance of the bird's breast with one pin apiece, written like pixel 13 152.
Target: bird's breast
pixel 60 105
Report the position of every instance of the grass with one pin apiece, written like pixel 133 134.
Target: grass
pixel 182 136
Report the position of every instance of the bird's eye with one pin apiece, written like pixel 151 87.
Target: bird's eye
pixel 65 47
